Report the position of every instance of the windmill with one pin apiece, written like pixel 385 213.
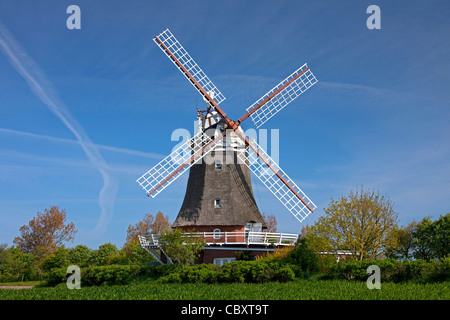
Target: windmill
pixel 217 138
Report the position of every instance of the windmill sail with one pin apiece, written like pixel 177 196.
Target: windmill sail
pixel 281 95
pixel 175 164
pixel 277 181
pixel 173 49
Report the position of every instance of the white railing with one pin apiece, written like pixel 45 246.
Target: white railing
pixel 231 238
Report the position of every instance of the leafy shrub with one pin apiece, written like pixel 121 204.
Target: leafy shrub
pixel 392 270
pixel 303 256
pixel 171 278
pixel 284 274
pixel 55 276
pixel 442 271
pixel 100 275
pixel 164 269
pixel 237 271
pixel 200 274
pixel 100 256
pixel 261 272
pixel 357 270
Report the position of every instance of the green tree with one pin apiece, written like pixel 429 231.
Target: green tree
pixel 304 256
pixel 79 255
pixel 423 235
pixel 441 238
pixel 136 255
pixel 58 259
pixel 181 247
pixel 131 253
pixel 101 256
pixel 359 222
pixel 401 244
pixel 432 238
pixel 16 265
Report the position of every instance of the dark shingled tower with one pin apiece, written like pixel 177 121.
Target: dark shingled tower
pixel 219 193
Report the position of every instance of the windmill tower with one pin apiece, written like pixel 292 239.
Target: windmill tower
pixel 219 192
pixel 219 203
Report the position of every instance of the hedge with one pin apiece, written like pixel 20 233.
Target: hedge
pixel 97 275
pixel 260 271
pixel 237 271
pixel 393 270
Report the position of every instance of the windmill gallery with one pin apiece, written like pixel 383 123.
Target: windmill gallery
pixel 219 204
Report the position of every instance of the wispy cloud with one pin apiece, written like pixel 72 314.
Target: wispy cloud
pixel 43 89
pixel 70 141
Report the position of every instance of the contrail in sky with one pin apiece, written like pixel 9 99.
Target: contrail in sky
pixel 131 152
pixel 44 90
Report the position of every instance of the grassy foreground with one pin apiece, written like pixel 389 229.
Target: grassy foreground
pixel 299 289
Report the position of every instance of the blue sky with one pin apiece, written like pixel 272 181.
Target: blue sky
pixel 84 113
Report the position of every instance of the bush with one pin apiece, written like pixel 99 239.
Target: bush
pixel 237 271
pixel 303 256
pixel 162 270
pixel 101 275
pixel 392 270
pixel 55 277
pixel 357 270
pixel 261 272
pixel 94 276
pixel 171 278
pixel 284 274
pixel 200 274
pixel 442 271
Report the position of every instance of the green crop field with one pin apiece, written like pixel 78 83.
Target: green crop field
pixel 299 289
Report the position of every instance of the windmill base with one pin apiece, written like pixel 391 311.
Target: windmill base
pixel 219 250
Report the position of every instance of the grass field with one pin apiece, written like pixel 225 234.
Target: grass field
pixel 296 290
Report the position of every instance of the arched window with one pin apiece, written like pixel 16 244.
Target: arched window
pixel 216 234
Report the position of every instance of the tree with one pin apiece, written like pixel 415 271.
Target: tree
pixel 101 256
pixel 432 238
pixel 304 256
pixel 46 232
pixel 180 247
pixel 148 225
pixel 161 223
pixel 136 255
pixel 16 265
pixel 58 259
pixel 359 222
pixel 401 242
pixel 79 255
pixel 271 223
pixel 441 239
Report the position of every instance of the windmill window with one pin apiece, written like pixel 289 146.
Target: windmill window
pixel 221 261
pixel 216 234
pixel 217 204
pixel 218 166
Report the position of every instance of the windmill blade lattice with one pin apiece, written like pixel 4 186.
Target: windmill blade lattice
pixel 281 95
pixel 175 164
pixel 267 175
pixel 168 42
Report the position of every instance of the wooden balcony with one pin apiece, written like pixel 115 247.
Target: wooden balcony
pixel 231 238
